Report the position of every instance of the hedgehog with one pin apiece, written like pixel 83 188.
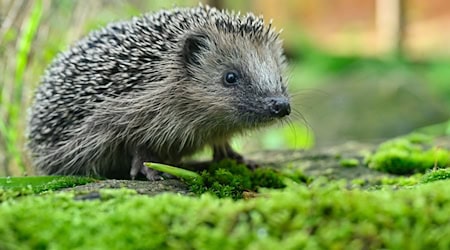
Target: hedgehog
pixel 157 88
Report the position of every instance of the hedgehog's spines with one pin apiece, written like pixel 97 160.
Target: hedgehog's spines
pixel 126 85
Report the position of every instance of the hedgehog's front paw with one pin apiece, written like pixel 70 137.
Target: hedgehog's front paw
pixel 225 151
pixel 150 174
pixel 138 167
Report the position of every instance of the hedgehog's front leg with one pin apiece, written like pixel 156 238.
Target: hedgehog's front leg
pixel 225 151
pixel 141 155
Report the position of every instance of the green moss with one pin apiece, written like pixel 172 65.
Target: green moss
pixel 401 180
pixel 386 182
pixel 418 138
pixel 11 187
pixel 295 174
pixel 321 216
pixel 349 162
pixel 37 184
pixel 229 179
pixel 358 182
pixel 407 156
pixel 436 175
pixel 43 183
pixel 7 194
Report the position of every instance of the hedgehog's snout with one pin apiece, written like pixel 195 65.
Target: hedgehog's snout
pixel 279 106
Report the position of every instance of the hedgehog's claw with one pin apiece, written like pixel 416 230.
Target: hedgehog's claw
pixel 150 174
pixel 137 166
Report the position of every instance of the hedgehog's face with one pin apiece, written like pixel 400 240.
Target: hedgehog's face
pixel 242 78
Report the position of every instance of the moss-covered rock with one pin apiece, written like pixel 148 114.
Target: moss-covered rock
pixel 349 162
pixel 408 155
pixel 436 175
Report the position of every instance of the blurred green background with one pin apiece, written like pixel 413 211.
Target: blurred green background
pixel 359 70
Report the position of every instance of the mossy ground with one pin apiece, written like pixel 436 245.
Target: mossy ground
pixel 42 183
pixel 322 215
pixel 20 186
pixel 284 210
pixel 229 179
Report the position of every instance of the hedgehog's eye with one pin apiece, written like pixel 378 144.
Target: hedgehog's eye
pixel 231 78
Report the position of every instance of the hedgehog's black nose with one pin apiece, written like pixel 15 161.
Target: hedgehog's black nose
pixel 279 106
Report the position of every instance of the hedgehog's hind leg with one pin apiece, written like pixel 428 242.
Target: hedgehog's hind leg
pixel 141 155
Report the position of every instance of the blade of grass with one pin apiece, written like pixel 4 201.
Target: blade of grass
pixel 179 172
pixel 26 38
pixel 11 128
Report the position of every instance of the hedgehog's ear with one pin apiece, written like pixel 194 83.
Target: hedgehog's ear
pixel 194 45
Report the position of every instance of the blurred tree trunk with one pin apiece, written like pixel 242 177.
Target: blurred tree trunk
pixel 219 4
pixel 390 20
